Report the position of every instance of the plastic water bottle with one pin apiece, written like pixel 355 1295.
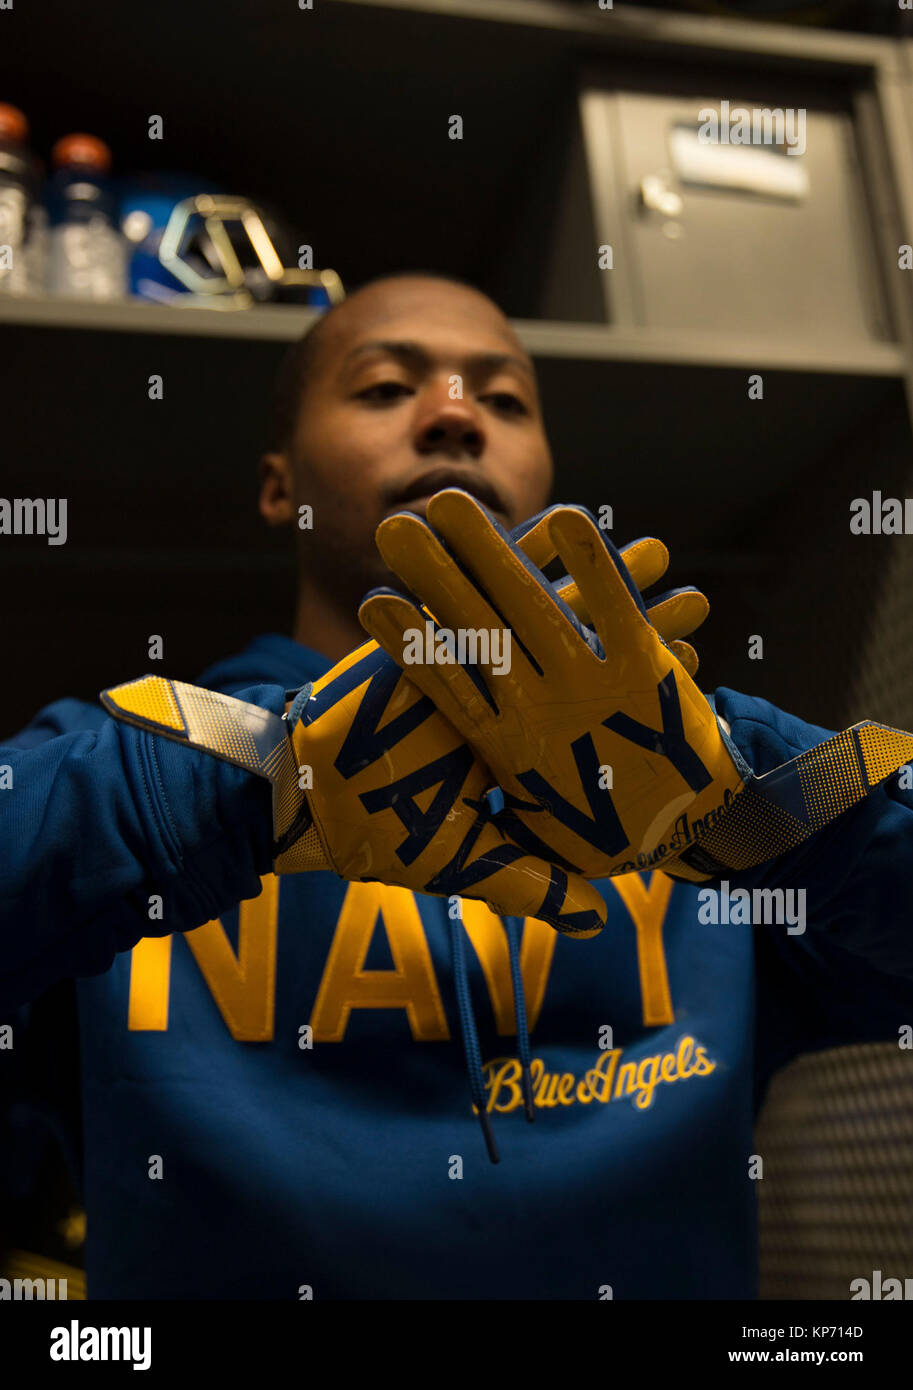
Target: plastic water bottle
pixel 88 254
pixel 23 224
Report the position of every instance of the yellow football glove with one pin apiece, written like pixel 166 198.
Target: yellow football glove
pixel 608 756
pixel 359 816
pixel 371 782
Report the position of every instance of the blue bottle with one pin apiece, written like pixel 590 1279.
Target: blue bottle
pixel 87 252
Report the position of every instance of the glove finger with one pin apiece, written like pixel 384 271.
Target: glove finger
pixel 686 655
pixel 515 587
pixel 412 550
pixel 570 594
pixel 534 540
pixel 678 613
pixel 531 887
pixel 646 560
pixel 465 701
pixel 673 615
pixel 605 585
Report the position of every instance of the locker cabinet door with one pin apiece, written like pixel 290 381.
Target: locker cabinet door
pixel 765 242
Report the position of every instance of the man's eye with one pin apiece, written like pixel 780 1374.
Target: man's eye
pixel 507 402
pixel 384 391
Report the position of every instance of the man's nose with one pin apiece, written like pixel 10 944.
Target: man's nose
pixel 451 426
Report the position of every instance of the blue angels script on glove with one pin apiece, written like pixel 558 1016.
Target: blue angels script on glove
pixel 609 757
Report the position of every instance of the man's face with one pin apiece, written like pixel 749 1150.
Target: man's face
pixel 418 385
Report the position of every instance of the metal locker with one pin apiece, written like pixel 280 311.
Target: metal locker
pixel 712 236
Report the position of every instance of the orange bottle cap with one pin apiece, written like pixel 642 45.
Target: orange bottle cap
pixel 13 124
pixel 82 149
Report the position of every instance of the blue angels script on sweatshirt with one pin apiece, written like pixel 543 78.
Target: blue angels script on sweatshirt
pixel 275 1104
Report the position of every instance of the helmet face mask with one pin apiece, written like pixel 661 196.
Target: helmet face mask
pixel 217 250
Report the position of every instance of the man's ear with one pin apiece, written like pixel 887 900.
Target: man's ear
pixel 277 503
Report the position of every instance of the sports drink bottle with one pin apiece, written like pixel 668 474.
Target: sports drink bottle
pixel 23 222
pixel 88 254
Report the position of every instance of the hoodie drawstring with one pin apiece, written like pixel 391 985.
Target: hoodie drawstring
pixel 470 1032
pixel 523 1047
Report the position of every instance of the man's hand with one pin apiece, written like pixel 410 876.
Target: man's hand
pixel 609 757
pixel 371 782
pixel 563 729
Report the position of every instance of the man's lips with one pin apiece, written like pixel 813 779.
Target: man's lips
pixel 416 496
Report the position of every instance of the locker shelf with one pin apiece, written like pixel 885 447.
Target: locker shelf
pixel 542 339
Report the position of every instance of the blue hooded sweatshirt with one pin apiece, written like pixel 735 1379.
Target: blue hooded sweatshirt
pixel 275 1101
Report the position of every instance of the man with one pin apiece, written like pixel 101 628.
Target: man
pixel 276 1103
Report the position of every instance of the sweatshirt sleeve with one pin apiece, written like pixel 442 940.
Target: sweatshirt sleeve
pixel 95 821
pixel 849 963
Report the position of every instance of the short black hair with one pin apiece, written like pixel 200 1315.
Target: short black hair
pixel 290 383
pixel 297 366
